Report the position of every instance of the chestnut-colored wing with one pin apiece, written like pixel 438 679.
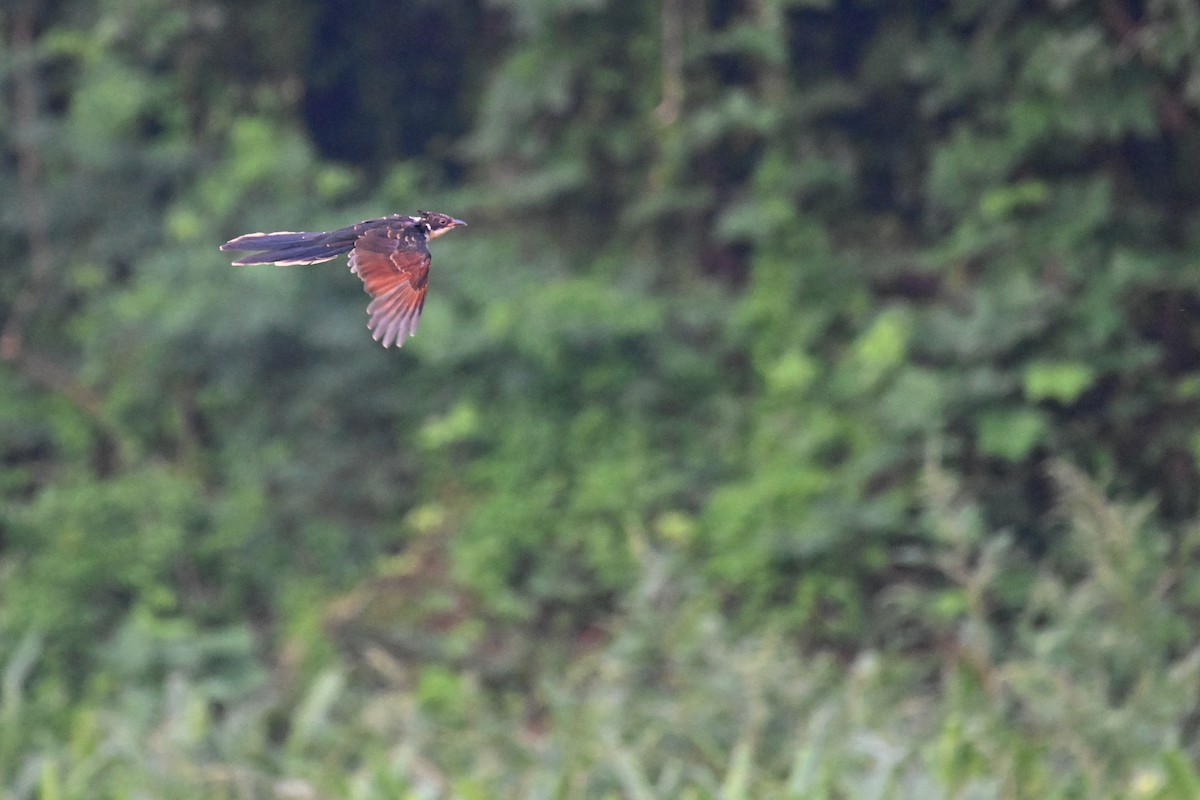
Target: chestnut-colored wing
pixel 393 263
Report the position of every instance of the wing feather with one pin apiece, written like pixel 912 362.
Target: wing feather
pixel 393 264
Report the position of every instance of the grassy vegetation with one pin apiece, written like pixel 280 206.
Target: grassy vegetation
pixel 1070 699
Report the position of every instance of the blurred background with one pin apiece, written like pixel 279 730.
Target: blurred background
pixel 810 409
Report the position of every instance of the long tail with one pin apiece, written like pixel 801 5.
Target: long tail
pixel 286 247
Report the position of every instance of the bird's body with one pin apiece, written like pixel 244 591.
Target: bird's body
pixel 389 254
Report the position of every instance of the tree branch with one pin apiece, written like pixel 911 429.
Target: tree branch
pixel 672 45
pixel 29 175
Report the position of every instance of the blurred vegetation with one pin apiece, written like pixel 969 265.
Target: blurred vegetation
pixel 809 411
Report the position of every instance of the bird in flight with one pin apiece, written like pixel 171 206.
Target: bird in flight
pixel 389 255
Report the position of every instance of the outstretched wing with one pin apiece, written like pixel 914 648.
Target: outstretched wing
pixel 393 263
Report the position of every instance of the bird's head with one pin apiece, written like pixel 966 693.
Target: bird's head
pixel 437 224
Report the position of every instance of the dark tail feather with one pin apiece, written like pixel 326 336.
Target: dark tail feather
pixel 303 254
pixel 286 247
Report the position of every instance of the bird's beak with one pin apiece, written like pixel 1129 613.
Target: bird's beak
pixel 448 226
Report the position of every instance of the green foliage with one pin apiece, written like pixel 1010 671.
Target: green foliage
pixel 671 702
pixel 730 460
